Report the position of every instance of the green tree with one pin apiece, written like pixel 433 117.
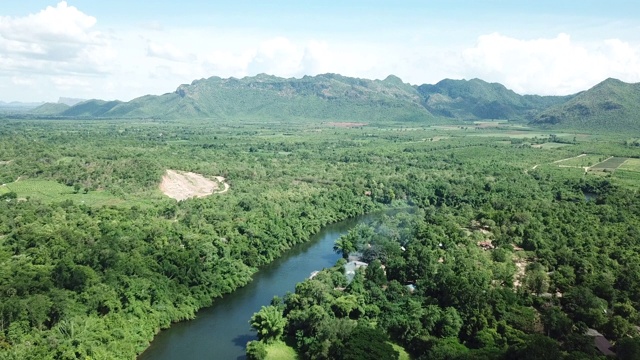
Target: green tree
pixel 368 343
pixel 269 323
pixel 344 246
pixel 628 349
pixel 256 350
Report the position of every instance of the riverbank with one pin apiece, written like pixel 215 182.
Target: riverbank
pixel 223 329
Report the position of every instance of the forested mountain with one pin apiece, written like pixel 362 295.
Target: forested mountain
pixel 477 99
pixel 327 96
pixel 612 105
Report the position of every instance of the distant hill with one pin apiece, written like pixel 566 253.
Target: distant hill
pixel 610 105
pixel 70 101
pixel 49 109
pixel 328 96
pixel 477 99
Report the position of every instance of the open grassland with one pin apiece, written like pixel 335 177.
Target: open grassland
pixel 51 191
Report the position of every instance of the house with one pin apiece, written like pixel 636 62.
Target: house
pixel 600 342
pixel 351 267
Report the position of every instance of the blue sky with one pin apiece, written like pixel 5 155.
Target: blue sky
pixel 123 49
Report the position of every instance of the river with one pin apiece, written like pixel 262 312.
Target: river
pixel 222 330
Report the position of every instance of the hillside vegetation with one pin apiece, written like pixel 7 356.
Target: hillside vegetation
pixel 477 99
pixel 327 96
pixel 612 105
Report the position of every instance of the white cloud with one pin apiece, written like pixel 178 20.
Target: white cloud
pixel 55 34
pixel 168 51
pixel 62 51
pixel 52 46
pixel 549 66
pixel 22 81
pixel 277 56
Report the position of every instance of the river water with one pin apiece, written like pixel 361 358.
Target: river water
pixel 222 330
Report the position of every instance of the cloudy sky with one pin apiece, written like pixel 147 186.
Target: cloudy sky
pixel 124 49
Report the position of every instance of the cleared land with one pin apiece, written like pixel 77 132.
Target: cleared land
pixel 182 185
pixel 611 163
pixel 51 191
pixel 549 145
pixel 346 124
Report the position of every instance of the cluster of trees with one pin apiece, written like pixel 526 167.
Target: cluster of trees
pixel 431 288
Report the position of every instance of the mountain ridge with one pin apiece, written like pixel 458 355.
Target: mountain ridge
pixel 337 97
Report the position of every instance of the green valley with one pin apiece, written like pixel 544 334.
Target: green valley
pixel 512 250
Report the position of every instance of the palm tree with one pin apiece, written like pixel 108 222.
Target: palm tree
pixel 269 323
pixel 344 246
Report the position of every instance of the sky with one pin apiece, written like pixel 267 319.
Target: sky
pixel 125 49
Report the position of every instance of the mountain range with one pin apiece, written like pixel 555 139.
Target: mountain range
pixel 611 103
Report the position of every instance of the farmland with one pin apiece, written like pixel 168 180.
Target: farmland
pixel 609 164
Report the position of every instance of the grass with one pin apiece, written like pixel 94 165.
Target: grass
pixel 630 165
pixel 280 351
pixel 404 355
pixel 51 191
pixel 550 145
pixel 628 178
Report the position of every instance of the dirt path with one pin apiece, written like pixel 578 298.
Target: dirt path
pixel 182 185
pixel 574 157
pixel 561 160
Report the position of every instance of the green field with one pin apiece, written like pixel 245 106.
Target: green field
pixel 609 164
pixel 51 191
pixel 630 165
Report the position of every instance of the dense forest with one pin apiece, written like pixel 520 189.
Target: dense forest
pixel 517 268
pixel 94 259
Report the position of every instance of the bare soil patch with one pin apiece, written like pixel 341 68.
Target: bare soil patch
pixel 182 185
pixel 346 124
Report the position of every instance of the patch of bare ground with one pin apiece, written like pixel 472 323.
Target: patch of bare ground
pixel 521 266
pixel 182 185
pixel 574 157
pixel 346 124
